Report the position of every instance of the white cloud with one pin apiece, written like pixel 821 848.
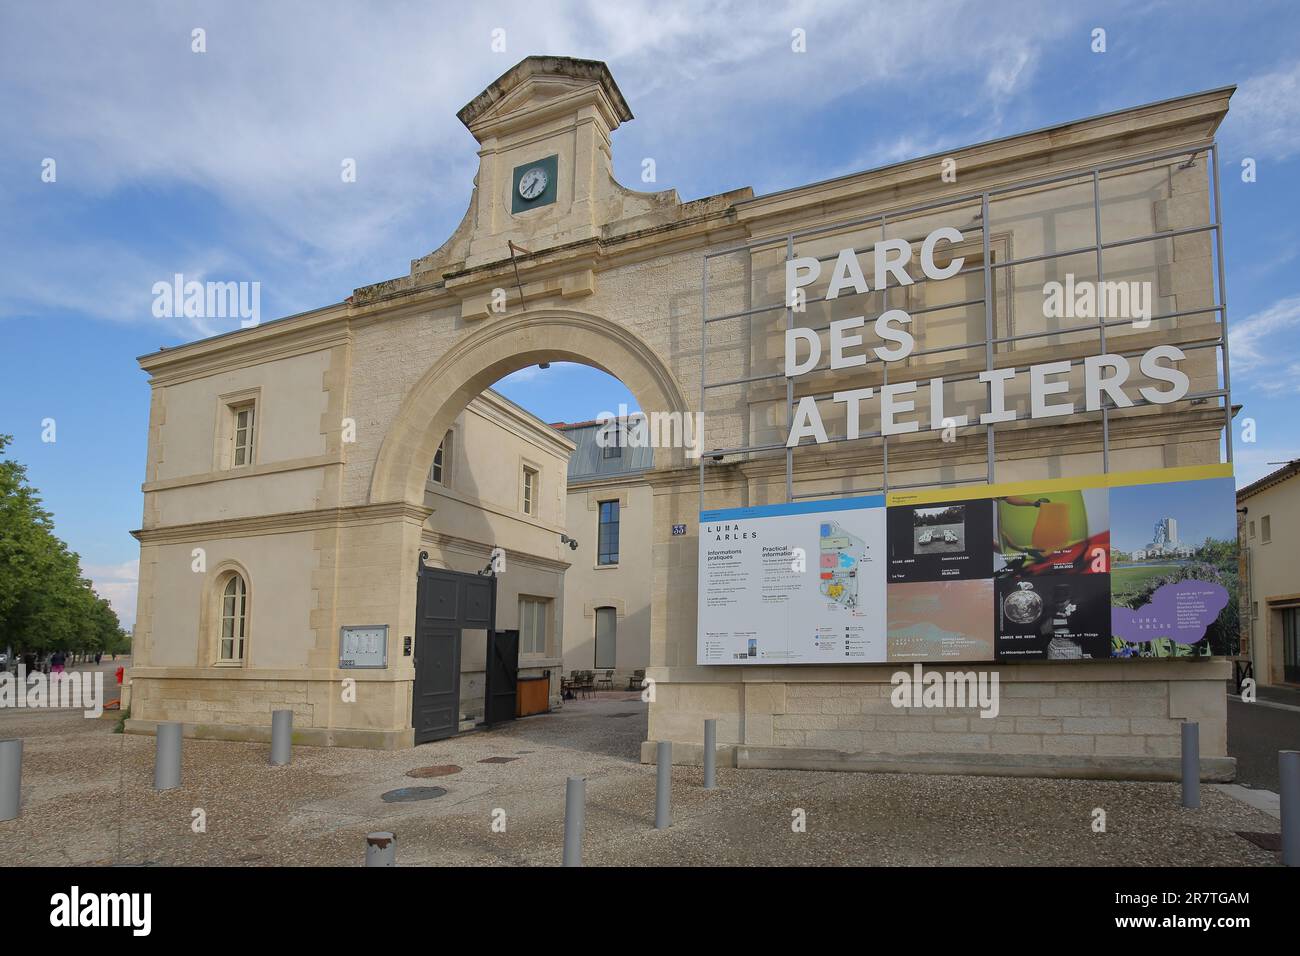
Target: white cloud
pixel 251 134
pixel 1264 121
pixel 1261 348
pixel 119 583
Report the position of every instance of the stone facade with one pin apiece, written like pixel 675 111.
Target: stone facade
pixel 611 277
pixel 1270 599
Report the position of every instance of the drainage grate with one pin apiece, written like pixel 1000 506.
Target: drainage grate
pixel 1265 841
pixel 411 794
pixel 438 770
pixel 497 759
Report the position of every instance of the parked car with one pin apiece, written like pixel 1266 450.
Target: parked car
pixel 926 537
pixel 950 537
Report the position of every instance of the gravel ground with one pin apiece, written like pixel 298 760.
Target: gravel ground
pixel 88 799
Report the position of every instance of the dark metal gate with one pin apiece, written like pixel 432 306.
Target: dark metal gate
pixel 446 602
pixel 502 676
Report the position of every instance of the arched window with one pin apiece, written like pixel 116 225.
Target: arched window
pixel 234 620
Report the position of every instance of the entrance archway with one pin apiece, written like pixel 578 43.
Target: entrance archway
pixel 499 348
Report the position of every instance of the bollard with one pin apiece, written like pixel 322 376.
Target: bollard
pixel 1288 765
pixel 11 778
pixel 663 784
pixel 281 737
pixel 381 848
pixel 1191 765
pixel 167 757
pixel 710 754
pixel 575 796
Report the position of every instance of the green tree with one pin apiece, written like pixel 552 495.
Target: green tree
pixel 46 603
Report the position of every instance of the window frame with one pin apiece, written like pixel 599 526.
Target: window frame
pixel 608 558
pixel 1266 529
pixel 529 491
pixel 443 459
pixel 540 617
pixel 612 617
pixel 226 433
pixel 239 629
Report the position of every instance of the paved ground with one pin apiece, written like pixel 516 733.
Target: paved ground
pixel 88 800
pixel 1257 731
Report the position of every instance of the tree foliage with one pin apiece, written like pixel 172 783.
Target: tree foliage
pixel 46 603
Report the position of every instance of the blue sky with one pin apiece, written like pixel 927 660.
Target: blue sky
pixel 1203 509
pixel 225 165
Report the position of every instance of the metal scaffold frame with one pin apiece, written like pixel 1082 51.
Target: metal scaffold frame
pixel 987 269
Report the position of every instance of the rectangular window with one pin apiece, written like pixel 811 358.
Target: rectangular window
pixel 441 473
pixel 533 615
pixel 530 490
pixel 614 442
pixel 1265 529
pixel 607 534
pixel 606 637
pixel 242 435
pixel 1252 529
pixel 1254 610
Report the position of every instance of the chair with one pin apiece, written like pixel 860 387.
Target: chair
pixel 637 679
pixel 606 681
pixel 586 681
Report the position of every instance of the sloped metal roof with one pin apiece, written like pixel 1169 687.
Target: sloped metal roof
pixel 588 459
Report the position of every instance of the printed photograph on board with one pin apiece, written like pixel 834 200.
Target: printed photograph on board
pixel 1174 575
pixel 1053 532
pixel 941 620
pixel 1052 617
pixel 940 542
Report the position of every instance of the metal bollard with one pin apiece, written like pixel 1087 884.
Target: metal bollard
pixel 710 754
pixel 1288 765
pixel 575 797
pixel 281 737
pixel 1191 765
pixel 11 778
pixel 381 848
pixel 167 757
pixel 663 785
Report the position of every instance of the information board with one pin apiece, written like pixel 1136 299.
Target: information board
pixel 800 583
pixel 1142 564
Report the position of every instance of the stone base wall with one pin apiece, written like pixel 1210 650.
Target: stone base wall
pixel 1099 714
pixel 237 705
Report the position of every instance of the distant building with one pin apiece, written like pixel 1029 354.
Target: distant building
pixel 607 588
pixel 1269 511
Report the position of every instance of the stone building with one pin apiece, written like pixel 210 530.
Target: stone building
pixel 615 278
pixel 607 588
pixel 1270 529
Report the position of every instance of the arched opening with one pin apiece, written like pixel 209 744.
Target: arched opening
pixel 488 355
pixel 493 474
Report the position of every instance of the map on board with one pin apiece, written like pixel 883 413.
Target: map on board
pixel 841 556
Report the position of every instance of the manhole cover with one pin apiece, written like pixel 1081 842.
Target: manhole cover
pixel 411 794
pixel 1265 841
pixel 439 770
pixel 497 759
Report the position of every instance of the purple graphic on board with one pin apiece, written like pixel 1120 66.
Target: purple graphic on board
pixel 1180 611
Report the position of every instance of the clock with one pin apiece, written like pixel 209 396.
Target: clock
pixel 533 183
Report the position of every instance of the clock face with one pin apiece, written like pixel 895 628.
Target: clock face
pixel 533 183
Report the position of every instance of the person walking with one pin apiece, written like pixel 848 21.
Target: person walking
pixel 57 660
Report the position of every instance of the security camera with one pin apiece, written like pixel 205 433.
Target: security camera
pixel 571 542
